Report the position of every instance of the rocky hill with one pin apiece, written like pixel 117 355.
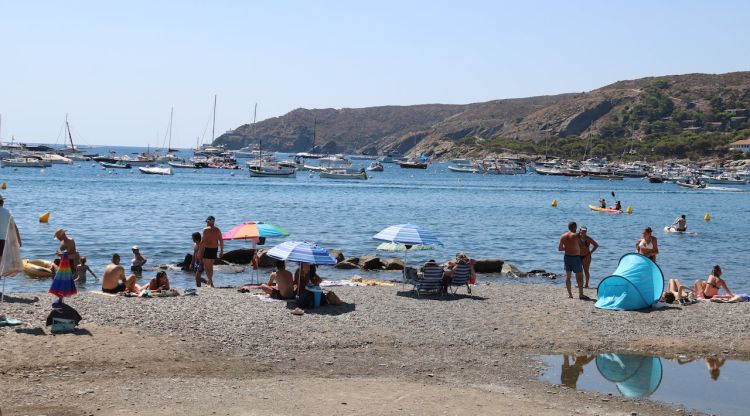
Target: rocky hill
pixel 679 104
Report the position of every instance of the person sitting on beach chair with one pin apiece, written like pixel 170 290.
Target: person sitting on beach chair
pixel 284 283
pixel 461 261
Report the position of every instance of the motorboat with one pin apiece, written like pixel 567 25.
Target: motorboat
pixel 343 174
pixel 272 171
pixel 463 169
pixel 116 165
pixel 376 167
pixel 413 164
pixel 655 179
pixel 693 185
pixel 25 162
pixel 724 178
pixel 155 170
pixel 56 159
pixel 185 165
pixel 606 177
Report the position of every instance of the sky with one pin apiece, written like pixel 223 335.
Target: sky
pixel 118 67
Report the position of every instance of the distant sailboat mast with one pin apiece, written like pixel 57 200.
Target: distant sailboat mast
pixel 70 136
pixel 213 126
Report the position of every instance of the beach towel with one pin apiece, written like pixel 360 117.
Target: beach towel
pixel 63 284
pixel 733 299
pixel 371 282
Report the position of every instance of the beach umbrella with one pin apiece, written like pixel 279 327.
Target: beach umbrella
pixel 253 230
pixel 302 252
pixel 402 247
pixel 408 235
pixel 11 263
pixel 63 284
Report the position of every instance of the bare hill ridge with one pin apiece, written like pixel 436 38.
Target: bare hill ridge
pixel 667 104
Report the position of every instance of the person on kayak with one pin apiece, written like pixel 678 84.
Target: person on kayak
pixel 603 203
pixel 680 224
pixel 618 206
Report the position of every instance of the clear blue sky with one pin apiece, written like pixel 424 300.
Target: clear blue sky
pixel 118 66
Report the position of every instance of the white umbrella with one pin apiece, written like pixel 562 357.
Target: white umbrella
pixel 11 263
pixel 409 236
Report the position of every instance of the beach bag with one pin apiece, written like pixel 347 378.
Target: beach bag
pixel 62 325
pixel 332 298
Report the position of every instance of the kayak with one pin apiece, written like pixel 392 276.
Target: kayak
pixel 38 268
pixel 607 210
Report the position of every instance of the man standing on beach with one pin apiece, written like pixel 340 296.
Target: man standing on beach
pixel 211 243
pixel 570 244
pixel 4 221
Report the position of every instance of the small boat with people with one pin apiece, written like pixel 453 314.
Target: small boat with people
pixel 155 170
pixel 343 174
pixel 692 185
pixel 376 167
pixel 116 165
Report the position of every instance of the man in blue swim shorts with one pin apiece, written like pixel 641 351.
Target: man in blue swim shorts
pixel 570 245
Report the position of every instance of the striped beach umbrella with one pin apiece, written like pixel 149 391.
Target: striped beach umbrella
pixel 302 252
pixel 407 234
pixel 63 284
pixel 253 230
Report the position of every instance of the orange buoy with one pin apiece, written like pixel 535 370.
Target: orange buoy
pixel 44 218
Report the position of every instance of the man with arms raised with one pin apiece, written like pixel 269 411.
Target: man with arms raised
pixel 570 245
pixel 211 243
pixel 114 280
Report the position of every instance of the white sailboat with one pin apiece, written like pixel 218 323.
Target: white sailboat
pixel 270 171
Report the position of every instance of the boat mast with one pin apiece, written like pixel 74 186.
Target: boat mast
pixel 213 126
pixel 70 136
pixel 315 128
pixel 169 145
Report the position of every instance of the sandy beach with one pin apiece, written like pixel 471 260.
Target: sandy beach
pixel 382 352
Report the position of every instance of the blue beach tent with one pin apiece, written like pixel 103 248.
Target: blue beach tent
pixel 636 284
pixel 635 376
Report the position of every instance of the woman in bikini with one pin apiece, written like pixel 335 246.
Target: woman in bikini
pixel 586 251
pixel 711 286
pixel 647 245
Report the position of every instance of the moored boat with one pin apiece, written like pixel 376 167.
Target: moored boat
pixel 273 171
pixel 25 162
pixel 155 170
pixel 185 165
pixel 693 185
pixel 116 165
pixel 606 177
pixel 463 169
pixel 343 174
pixel 412 164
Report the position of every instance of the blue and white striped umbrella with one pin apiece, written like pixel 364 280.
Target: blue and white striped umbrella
pixel 302 252
pixel 407 234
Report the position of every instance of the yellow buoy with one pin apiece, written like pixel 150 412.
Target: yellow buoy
pixel 629 210
pixel 44 218
pixel 707 217
pixel 4 185
pixel 554 203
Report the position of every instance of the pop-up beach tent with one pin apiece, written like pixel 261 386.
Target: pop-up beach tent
pixel 637 283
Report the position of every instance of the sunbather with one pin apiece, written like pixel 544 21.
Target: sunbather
pixel 676 292
pixel 158 283
pixel 284 283
pixel 711 286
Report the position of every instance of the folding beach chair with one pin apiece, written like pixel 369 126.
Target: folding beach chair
pixel 461 276
pixel 430 281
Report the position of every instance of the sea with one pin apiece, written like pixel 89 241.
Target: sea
pixel 487 216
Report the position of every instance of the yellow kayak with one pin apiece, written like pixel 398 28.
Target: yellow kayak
pixel 38 268
pixel 607 210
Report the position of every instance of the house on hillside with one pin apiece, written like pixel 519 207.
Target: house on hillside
pixel 737 111
pixel 715 126
pixel 736 121
pixel 741 145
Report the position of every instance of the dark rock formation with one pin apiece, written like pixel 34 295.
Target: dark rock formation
pixel 393 264
pixel 240 256
pixel 488 266
pixel 371 263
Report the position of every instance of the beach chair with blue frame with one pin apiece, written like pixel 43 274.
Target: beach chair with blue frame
pixel 461 276
pixel 431 280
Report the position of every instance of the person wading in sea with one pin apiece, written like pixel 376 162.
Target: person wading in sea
pixel 211 243
pixel 570 245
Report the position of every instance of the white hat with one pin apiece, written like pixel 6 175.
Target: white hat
pixel 135 248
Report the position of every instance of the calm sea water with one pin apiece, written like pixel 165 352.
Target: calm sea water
pixel 488 216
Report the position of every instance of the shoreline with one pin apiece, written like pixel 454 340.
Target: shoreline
pixel 381 337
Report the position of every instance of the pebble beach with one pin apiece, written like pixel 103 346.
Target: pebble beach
pixel 488 341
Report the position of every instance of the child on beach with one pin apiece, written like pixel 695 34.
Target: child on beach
pixel 81 271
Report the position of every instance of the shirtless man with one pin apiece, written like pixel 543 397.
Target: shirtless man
pixel 680 224
pixel 211 243
pixel 284 282
pixel 570 245
pixel 114 280
pixel 69 245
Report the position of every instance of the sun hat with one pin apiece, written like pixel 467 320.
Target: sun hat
pixel 135 248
